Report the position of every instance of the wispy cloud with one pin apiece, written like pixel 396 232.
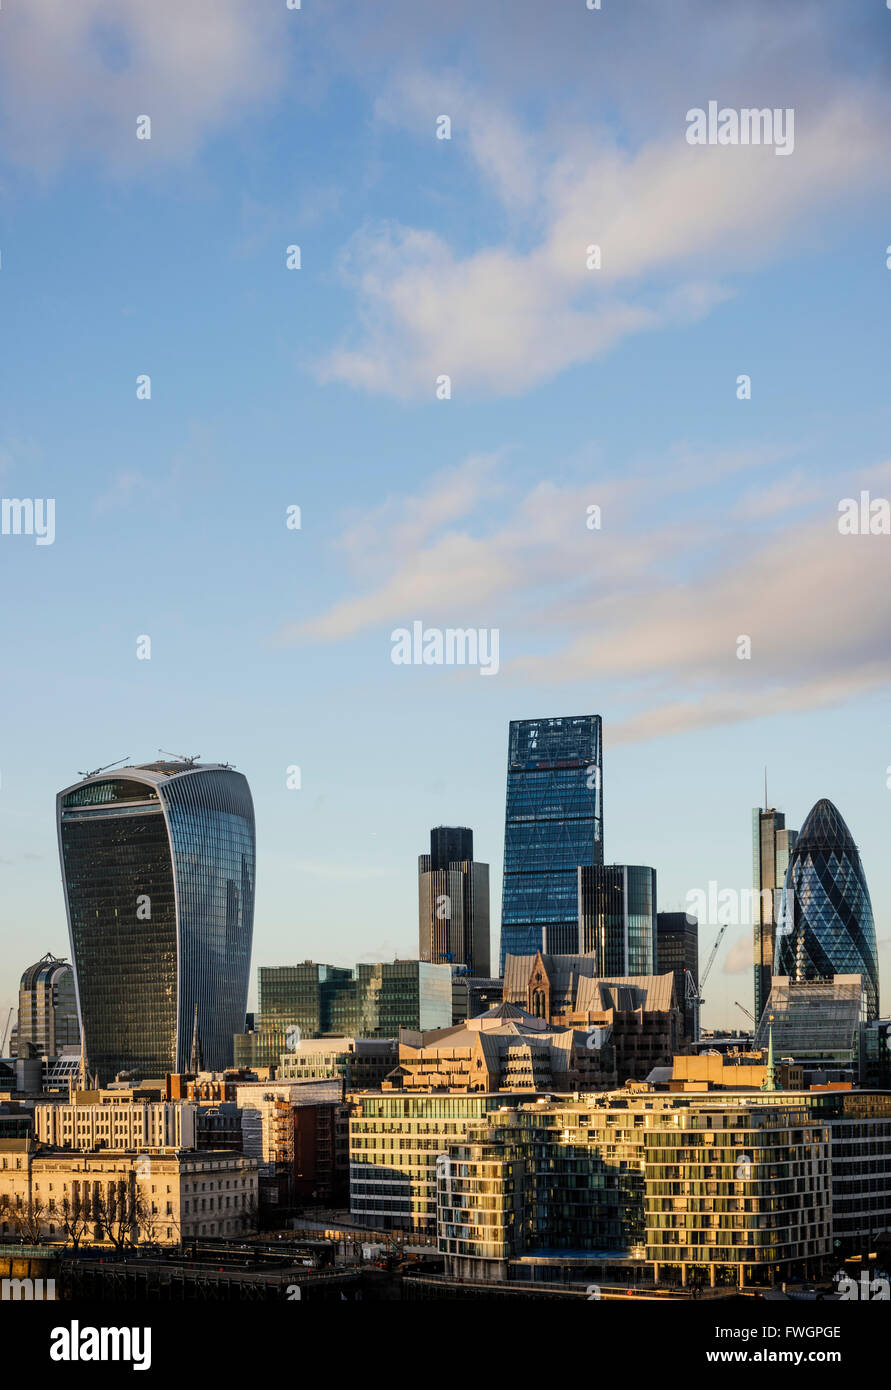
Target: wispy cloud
pixel 75 77
pixel 672 223
pixel 623 606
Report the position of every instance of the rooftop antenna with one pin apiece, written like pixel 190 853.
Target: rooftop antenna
pixel 765 790
pixel 97 770
pixel 180 757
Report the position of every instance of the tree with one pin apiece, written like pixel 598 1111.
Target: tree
pixel 75 1220
pixel 116 1212
pixel 27 1216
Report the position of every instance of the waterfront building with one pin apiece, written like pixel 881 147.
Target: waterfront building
pixel 109 1198
pixel 695 1189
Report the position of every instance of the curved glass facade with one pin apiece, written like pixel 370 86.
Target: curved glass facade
pixel 158 866
pixel 827 927
pixel 554 824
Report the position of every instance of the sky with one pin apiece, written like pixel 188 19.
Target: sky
pixel 460 505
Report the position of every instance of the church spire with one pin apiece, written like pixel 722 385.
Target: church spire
pixel 196 1061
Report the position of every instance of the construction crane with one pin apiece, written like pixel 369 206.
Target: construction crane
pixel 6 1032
pixel 746 1012
pixel 692 995
pixel 181 757
pixel 97 770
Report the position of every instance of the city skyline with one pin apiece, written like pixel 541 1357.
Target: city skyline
pixel 730 983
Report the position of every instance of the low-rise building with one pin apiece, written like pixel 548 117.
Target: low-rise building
pixel 641 1011
pixel 504 1049
pixel 123 1199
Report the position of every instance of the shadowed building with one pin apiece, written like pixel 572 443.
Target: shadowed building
pixel 772 845
pixel 617 917
pixel 158 872
pixel 677 950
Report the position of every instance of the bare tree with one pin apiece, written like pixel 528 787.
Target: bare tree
pixel 75 1219
pixel 27 1216
pixel 116 1212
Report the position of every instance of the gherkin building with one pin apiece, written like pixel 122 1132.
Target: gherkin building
pixel 827 925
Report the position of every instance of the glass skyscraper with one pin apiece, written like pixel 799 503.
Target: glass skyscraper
pixel 553 825
pixel 827 925
pixel 772 844
pixel 617 918
pixel 158 871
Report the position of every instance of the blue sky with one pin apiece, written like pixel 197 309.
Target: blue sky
pixel 570 387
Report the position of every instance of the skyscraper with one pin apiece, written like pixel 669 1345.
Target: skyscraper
pixel 158 871
pixel 554 824
pixel 453 902
pixel 772 844
pixel 47 1008
pixel 827 925
pixel 617 918
pixel 677 949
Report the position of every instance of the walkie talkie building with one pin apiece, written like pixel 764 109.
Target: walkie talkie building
pixel 158 872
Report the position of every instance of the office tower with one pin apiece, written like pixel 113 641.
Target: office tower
pixel 821 1023
pixel 158 872
pixel 453 902
pixel 677 949
pixel 47 1008
pixel 772 844
pixel 316 1001
pixel 827 927
pixel 616 917
pixel 553 824
pixel 388 995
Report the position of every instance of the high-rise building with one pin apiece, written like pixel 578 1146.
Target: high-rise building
pixel 453 902
pixel 47 1008
pixel 617 918
pixel 772 844
pixel 827 927
pixel 677 949
pixel 553 824
pixel 158 871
